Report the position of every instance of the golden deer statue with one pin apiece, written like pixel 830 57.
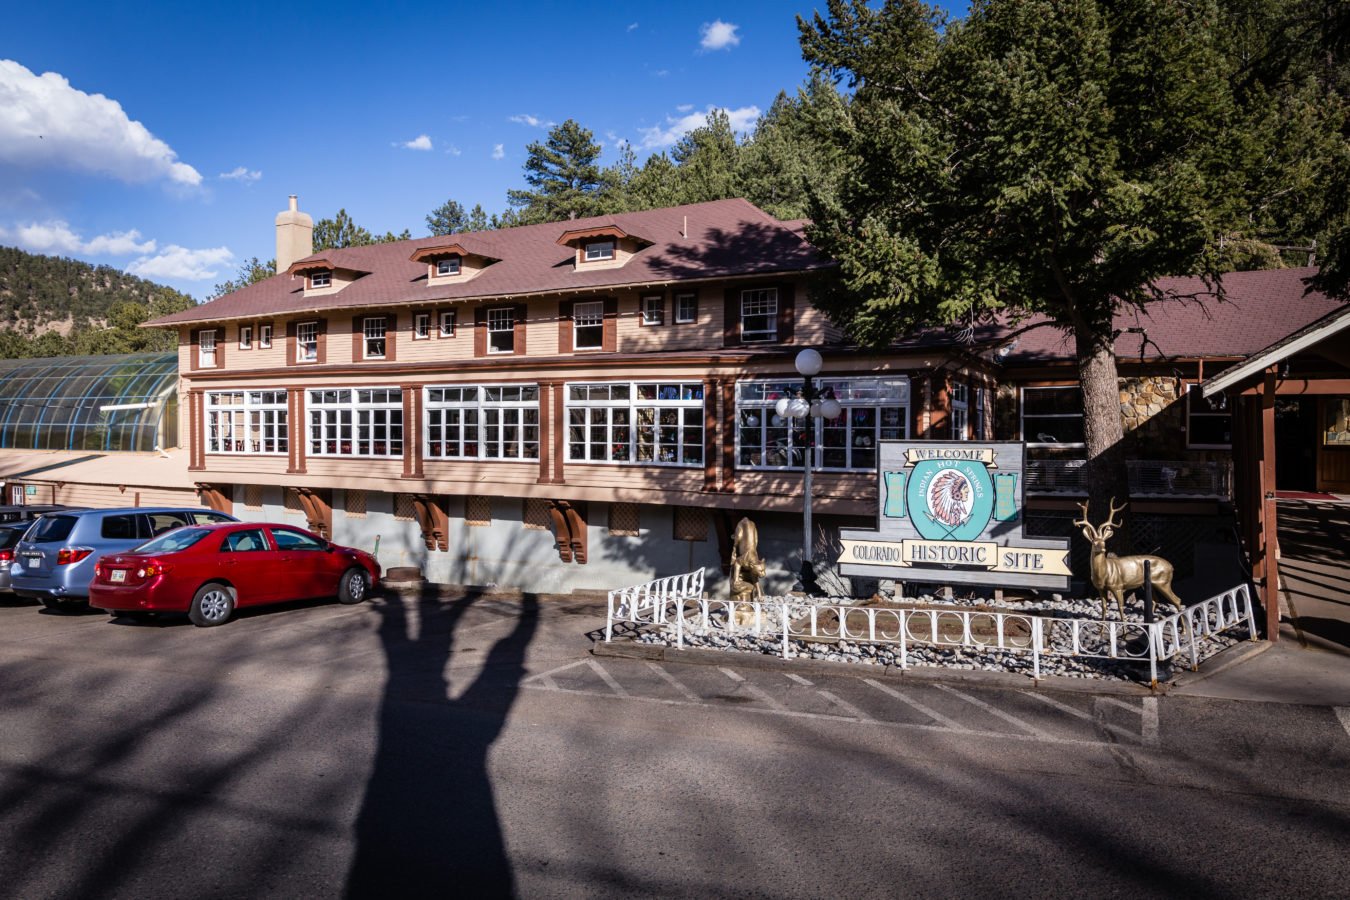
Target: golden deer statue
pixel 1114 575
pixel 747 569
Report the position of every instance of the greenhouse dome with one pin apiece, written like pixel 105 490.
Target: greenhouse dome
pixel 107 403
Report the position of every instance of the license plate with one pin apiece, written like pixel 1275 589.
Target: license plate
pixel 33 561
pixel 117 575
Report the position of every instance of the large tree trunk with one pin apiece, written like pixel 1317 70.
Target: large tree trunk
pixel 1104 434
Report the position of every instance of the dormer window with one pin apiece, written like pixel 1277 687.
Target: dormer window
pixel 321 278
pixel 599 250
pixel 447 266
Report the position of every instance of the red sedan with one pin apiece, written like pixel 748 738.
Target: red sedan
pixel 208 571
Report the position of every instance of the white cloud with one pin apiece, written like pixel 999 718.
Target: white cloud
pixel 532 121
pixel 453 150
pixel 498 151
pixel 180 262
pixel 632 27
pixel 684 107
pixel 718 35
pixel 421 142
pixel 239 173
pixel 56 236
pixel 46 122
pixel 742 118
pixel 661 73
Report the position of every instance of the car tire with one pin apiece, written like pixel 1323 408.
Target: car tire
pixel 354 586
pixel 213 604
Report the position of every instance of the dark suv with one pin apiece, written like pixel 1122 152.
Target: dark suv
pixel 54 562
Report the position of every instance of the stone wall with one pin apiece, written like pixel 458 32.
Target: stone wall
pixel 1154 417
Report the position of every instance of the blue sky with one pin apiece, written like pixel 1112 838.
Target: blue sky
pixel 171 134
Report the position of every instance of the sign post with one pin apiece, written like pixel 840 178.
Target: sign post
pixel 952 513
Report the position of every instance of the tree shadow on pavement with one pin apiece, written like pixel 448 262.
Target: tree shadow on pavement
pixel 428 826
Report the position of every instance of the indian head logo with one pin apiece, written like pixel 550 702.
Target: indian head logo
pixel 949 498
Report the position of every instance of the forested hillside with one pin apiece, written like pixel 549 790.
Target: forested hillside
pixel 53 306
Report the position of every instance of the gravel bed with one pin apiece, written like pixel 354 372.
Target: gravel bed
pixel 1055 662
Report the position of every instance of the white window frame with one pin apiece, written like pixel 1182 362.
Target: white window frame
pixel 680 317
pixel 375 334
pixel 307 348
pixel 245 337
pixel 1193 396
pixel 447 319
pixel 960 411
pixel 448 266
pixel 1033 440
pixel 322 278
pixel 355 422
pixel 642 423
pixel 758 302
pixel 588 320
pixel 265 336
pixel 497 422
pixel 206 348
pixel 598 251
pixel 495 319
pixel 653 310
pixel 252 423
pixel 888 396
pixel 421 330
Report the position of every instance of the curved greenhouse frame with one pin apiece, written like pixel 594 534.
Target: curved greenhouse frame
pixel 97 403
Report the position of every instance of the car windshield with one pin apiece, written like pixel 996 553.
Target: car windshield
pixel 50 529
pixel 173 541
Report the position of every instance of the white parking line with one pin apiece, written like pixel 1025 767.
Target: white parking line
pixel 751 689
pixel 1343 713
pixel 1149 730
pixel 1101 721
pixel 994 711
pixel 930 713
pixel 674 682
pixel 844 704
pixel 799 679
pixel 608 678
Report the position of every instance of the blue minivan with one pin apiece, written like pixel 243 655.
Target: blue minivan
pixel 54 562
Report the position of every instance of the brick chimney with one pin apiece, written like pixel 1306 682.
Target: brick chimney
pixel 295 235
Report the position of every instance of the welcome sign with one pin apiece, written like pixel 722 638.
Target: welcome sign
pixel 952 513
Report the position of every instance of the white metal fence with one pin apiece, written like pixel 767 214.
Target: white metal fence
pixel 679 601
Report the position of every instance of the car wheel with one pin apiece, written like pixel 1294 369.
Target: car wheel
pixel 213 604
pixel 353 587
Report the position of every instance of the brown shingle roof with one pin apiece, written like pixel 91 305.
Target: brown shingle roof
pixel 1260 308
pixel 725 238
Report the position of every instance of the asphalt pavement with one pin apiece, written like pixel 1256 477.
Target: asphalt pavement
pixel 474 746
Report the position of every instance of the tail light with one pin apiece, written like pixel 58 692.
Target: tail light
pixel 6 556
pixel 67 555
pixel 151 569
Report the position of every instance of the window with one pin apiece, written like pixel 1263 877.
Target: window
pixel 534 515
pixel 405 507
pixel 173 542
pixel 249 540
pixel 690 523
pixel 653 310
pixel 355 504
pixel 206 348
pixel 253 496
pixel 124 528
pixel 421 326
pixel 483 422
pixel 162 522
pixel 265 336
pixel 624 520
pixel 501 325
pixel 1209 421
pixel 686 309
pixel 321 279
pixel 588 325
pixel 598 250
pixel 307 342
pixel 356 422
pixel 874 409
pixel 960 400
pixel 981 416
pixel 448 266
pixel 759 315
pixel 246 422
pixel 1052 416
pixel 448 323
pixel 290 539
pixel 245 337
pixel 626 422
pixel 374 329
